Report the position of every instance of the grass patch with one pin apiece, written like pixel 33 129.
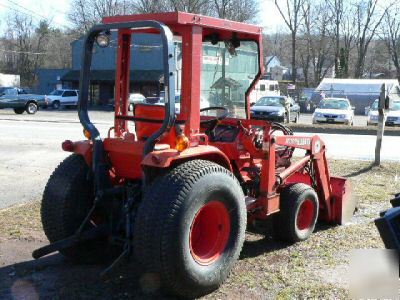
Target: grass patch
pixel 21 221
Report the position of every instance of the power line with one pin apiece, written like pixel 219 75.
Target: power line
pixel 32 13
pixel 16 10
pixel 23 52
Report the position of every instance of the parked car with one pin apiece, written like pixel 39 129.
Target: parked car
pixel 155 99
pixel 135 98
pixel 160 101
pixel 392 117
pixel 63 97
pixel 334 110
pixel 19 100
pixel 372 113
pixel 276 108
pixel 203 103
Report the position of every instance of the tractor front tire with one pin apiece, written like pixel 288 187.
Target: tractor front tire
pixel 190 228
pixel 298 213
pixel 66 201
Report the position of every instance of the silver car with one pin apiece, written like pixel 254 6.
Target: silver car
pixel 334 110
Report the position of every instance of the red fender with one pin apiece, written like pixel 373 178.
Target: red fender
pixel 168 157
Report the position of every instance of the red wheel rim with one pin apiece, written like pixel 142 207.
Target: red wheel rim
pixel 305 216
pixel 209 232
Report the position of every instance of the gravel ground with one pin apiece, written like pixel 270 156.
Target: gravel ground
pixel 316 268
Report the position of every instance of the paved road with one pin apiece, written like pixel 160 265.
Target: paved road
pixel 30 149
pixel 358 147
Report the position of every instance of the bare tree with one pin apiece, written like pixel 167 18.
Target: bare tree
pixel 305 42
pixel 321 44
pixel 192 6
pixel 19 33
pixel 314 41
pixel 153 6
pixel 85 13
pixel 368 19
pixel 337 10
pixel 391 36
pixel 236 10
pixel 292 16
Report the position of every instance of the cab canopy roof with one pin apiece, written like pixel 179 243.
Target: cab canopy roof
pixel 176 19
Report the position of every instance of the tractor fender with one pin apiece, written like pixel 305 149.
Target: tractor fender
pixel 170 157
pixel 83 148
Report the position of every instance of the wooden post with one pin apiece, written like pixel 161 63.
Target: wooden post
pixel 381 125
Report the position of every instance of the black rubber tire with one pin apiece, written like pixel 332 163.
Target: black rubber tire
pixel 296 120
pixel 285 222
pixel 19 111
pixel 286 119
pixel 56 104
pixel 31 108
pixel 163 224
pixel 66 201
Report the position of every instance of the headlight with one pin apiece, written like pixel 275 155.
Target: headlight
pixel 103 39
pixel 318 115
pixel 374 118
pixel 343 116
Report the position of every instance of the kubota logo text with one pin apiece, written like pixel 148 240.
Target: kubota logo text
pixel 298 141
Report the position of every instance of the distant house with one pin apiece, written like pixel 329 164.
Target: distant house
pixel 279 72
pixel 360 92
pixel 271 62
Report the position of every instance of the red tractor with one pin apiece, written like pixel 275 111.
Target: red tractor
pixel 176 186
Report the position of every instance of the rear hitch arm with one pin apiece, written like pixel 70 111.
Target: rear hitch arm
pixel 71 241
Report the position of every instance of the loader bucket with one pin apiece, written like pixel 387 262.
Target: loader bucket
pixel 344 203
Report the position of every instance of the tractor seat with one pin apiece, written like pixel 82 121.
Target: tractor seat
pixel 151 112
pixel 145 129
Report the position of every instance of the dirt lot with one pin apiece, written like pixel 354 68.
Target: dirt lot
pixel 316 268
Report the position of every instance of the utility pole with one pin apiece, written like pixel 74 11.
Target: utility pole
pixel 382 108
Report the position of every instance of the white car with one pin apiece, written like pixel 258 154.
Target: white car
pixel 64 97
pixel 203 103
pixel 160 101
pixel 392 117
pixel 334 110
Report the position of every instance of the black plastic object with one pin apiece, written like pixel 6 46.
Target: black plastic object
pixel 389 225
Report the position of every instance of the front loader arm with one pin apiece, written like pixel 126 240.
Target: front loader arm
pixel 336 203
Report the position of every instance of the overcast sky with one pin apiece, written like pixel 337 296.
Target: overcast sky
pixel 56 11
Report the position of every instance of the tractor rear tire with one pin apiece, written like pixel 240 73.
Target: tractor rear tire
pixel 190 228
pixel 298 213
pixel 66 201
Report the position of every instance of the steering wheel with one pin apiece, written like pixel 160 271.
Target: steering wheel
pixel 213 122
pixel 216 119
